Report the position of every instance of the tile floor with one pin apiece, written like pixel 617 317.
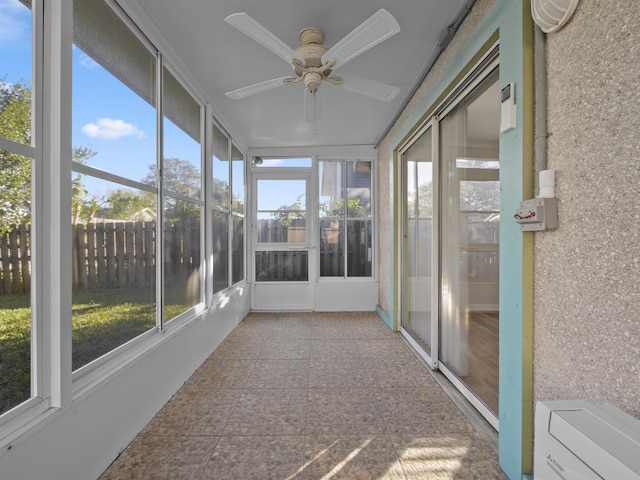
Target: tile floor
pixel 309 396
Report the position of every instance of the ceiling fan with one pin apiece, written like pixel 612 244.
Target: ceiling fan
pixel 313 63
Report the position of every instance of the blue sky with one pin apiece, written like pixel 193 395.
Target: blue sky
pixel 119 125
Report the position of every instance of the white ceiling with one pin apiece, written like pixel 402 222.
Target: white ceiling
pixel 221 58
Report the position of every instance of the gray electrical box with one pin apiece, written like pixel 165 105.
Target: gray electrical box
pixel 537 214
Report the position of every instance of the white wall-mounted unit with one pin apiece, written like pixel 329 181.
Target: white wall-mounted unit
pixel 577 440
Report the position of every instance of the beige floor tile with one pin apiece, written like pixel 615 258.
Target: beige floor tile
pixel 421 411
pixel 329 373
pixel 309 396
pixel 352 457
pixel 279 374
pixel 190 416
pixel 344 412
pixel 334 348
pixel 278 349
pixel 256 458
pixel 269 412
pixel 447 457
pixel 162 458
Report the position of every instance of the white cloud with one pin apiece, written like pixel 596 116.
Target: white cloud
pixel 110 129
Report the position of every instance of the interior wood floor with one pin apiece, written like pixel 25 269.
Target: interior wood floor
pixel 481 350
pixel 482 377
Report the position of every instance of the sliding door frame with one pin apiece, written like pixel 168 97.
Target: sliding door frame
pixel 483 68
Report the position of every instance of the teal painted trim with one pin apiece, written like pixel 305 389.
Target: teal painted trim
pixel 487 26
pixel 385 318
pixel 506 17
pixel 527 477
pixel 512 384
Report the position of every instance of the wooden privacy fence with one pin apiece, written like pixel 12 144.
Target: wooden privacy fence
pixel 122 254
pixel 108 255
pixel 15 260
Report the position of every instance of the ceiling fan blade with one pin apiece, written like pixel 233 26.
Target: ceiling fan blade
pixel 370 88
pixel 260 34
pixel 377 28
pixel 256 88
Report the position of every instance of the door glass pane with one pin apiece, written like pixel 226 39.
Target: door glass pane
pixel 15 204
pixel 114 225
pixel 220 249
pixel 281 211
pixel 470 232
pixel 359 189
pixel 282 266
pixel 220 167
pixel 114 269
pixel 359 248
pixel 237 178
pixel 237 242
pixel 345 208
pixel 181 256
pixel 181 139
pixel 15 278
pixel 182 175
pixel 16 60
pixel 331 247
pixel 418 231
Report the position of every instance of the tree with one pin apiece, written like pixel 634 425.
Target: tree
pixel 15 170
pixel 81 207
pixel 123 204
pixel 287 214
pixel 181 177
pixel 354 209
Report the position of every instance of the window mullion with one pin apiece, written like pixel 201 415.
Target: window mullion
pixel 159 246
pixel 345 236
pixel 55 237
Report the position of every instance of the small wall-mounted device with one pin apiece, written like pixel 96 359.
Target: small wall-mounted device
pixel 537 214
pixel 508 108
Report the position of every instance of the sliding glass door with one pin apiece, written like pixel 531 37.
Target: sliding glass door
pixel 450 231
pixel 420 271
pixel 470 222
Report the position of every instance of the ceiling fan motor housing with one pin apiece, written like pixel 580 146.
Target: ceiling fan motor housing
pixel 311 48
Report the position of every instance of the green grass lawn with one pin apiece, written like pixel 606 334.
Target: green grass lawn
pixel 103 319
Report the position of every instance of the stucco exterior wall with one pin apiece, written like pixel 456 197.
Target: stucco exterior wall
pixel 587 272
pixel 385 151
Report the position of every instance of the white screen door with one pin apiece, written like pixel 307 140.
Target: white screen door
pixel 282 240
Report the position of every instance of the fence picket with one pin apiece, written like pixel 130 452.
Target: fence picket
pixel 91 254
pixel 6 269
pixel 25 257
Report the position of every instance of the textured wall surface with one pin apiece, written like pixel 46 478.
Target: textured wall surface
pixel 587 272
pixel 385 150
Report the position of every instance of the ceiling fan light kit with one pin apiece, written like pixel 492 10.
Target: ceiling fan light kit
pixel 314 63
